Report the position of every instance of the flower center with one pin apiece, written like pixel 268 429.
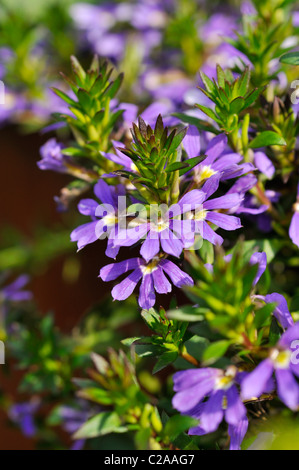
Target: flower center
pixel 226 380
pixel 150 267
pixel 280 359
pixel 109 220
pixel 200 214
pixel 160 225
pixel 296 207
pixel 203 173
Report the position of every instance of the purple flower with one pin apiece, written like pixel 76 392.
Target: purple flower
pixel 52 157
pixel 217 162
pixel 282 361
pixel 152 276
pixel 104 217
pixel 206 212
pixel 294 227
pixel 23 415
pixel 14 293
pixel 193 386
pixel 264 164
pixel 170 234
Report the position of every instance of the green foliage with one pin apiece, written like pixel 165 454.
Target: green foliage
pixel 92 119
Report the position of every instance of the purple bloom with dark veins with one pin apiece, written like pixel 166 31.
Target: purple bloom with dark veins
pixel 217 162
pixel 14 293
pixel 104 217
pixel 294 227
pixel 151 275
pixel 284 363
pixel 219 386
pixel 23 415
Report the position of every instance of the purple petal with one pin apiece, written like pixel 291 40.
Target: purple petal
pixel 147 297
pixel 17 284
pixel 150 246
pixel 287 388
pixel 103 192
pixel 111 250
pixel 128 237
pixel 87 207
pixel 213 412
pixel 261 260
pixel 171 244
pixel 255 383
pixel 177 276
pixel 264 164
pixel 208 234
pixel 226 161
pixel 114 270
pixel 190 377
pixel 85 234
pixel 281 311
pixel 211 186
pixel 191 201
pixel 125 288
pixel 224 221
pixel 216 147
pixel 292 334
pixel 237 433
pixel 224 202
pixel 235 411
pixel 192 142
pixel 294 229
pixel 161 283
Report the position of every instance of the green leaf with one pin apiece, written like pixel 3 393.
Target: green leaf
pixel 167 358
pixel 263 314
pixel 209 112
pixel 114 87
pixel 291 58
pixel 199 123
pixel 191 163
pixel 151 318
pixel 274 333
pixel 267 138
pixel 64 97
pixel 187 314
pixel 99 425
pixel 215 351
pixel 178 424
pixel 177 166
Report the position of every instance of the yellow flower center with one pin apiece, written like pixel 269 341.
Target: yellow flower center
pixel 203 173
pixel 280 359
pixel 160 226
pixel 150 267
pixel 200 214
pixel 109 220
pixel 296 207
pixel 226 380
